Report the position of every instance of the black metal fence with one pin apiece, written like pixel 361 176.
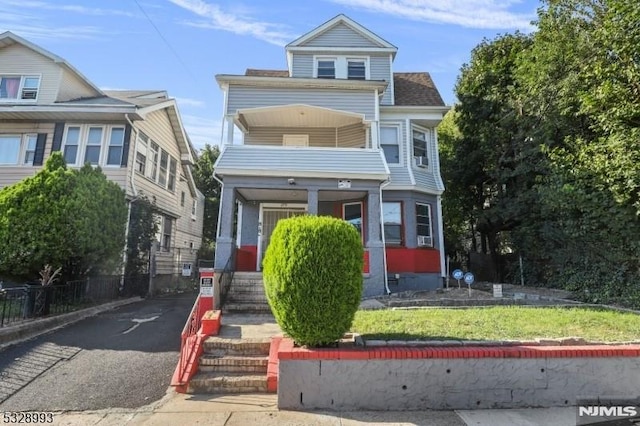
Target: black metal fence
pixel 34 300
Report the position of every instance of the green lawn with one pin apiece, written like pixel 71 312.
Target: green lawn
pixel 498 323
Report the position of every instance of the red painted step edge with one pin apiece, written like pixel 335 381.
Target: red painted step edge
pixel 272 366
pixel 287 351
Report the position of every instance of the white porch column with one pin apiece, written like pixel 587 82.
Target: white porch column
pixel 375 139
pixel 230 128
pixel 224 242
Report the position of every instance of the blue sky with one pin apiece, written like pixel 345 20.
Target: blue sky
pixel 180 45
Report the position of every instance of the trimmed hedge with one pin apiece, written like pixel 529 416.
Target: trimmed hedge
pixel 312 274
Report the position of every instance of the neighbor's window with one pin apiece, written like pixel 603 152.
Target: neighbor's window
pixel 116 145
pixel 19 87
pixel 71 144
pixel 173 165
pixel 141 154
pixel 326 68
pixel 392 214
pixel 356 69
pixel 166 234
pixel 9 149
pixel 164 163
pixel 30 149
pixel 423 224
pixel 389 138
pixel 152 169
pixel 94 144
pixel 182 197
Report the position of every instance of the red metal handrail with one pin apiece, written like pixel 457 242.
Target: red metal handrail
pixel 189 348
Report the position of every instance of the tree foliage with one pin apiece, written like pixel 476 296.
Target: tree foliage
pixel 142 232
pixel 554 121
pixel 210 187
pixel 61 217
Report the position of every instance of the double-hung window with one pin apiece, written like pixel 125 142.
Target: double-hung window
pixel 30 142
pixel 164 163
pixel 389 142
pixel 10 149
pixel 173 165
pixel 116 146
pixel 19 87
pixel 71 144
pixel 423 224
pixel 94 145
pixel 152 159
pixel 141 153
pixel 326 68
pixel 420 151
pixel 392 215
pixel 356 69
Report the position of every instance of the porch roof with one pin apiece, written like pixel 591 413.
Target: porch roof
pixel 296 115
pixel 277 161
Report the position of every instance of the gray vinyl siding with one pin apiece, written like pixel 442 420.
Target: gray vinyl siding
pixel 353 136
pixel 288 161
pixel 381 70
pixel 400 175
pixel 347 137
pixel 17 59
pixel 340 35
pixel 362 102
pixel 409 222
pixel 302 65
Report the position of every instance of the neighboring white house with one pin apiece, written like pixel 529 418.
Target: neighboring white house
pixel 337 133
pixel 136 137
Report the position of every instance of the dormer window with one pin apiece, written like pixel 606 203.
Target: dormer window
pixel 326 68
pixel 356 69
pixel 341 67
pixel 19 87
pixel 420 150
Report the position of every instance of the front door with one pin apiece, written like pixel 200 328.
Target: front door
pixel 270 214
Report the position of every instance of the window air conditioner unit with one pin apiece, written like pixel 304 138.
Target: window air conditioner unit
pixel 424 241
pixel 422 161
pixel 29 94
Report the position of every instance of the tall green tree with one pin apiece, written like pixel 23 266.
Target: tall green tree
pixel 210 187
pixel 62 217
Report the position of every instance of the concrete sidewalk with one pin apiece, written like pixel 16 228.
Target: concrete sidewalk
pixel 261 409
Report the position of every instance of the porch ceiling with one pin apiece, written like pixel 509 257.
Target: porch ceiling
pixel 297 115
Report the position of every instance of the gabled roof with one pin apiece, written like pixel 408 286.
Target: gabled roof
pixel 410 88
pixel 8 38
pixel 341 19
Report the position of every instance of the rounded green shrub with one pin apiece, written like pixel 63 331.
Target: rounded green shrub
pixel 312 273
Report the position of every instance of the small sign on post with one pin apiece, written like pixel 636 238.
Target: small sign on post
pixel 497 290
pixel 206 286
pixel 457 275
pixel 469 278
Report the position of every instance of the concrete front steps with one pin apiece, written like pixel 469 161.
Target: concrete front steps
pixel 232 366
pixel 246 294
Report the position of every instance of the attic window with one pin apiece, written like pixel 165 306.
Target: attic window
pixel 326 68
pixel 19 87
pixel 356 70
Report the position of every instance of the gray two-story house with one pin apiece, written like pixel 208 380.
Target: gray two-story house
pixel 337 133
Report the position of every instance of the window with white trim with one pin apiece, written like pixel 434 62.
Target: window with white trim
pixel 173 167
pixel 420 149
pixel 116 146
pixel 326 68
pixel 164 163
pixel 164 231
pixel 17 149
pixel 423 225
pixel 19 87
pixel 141 153
pixel 94 144
pixel 389 142
pixel 392 217
pixel 356 69
pixel 343 67
pixel 194 208
pixel 182 199
pixel 152 161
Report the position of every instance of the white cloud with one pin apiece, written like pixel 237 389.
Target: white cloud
pixel 189 102
pixel 213 17
pixel 485 14
pixel 83 10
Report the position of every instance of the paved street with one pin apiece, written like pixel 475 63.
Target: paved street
pixel 122 358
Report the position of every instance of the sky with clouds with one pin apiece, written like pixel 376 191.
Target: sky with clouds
pixel 180 45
